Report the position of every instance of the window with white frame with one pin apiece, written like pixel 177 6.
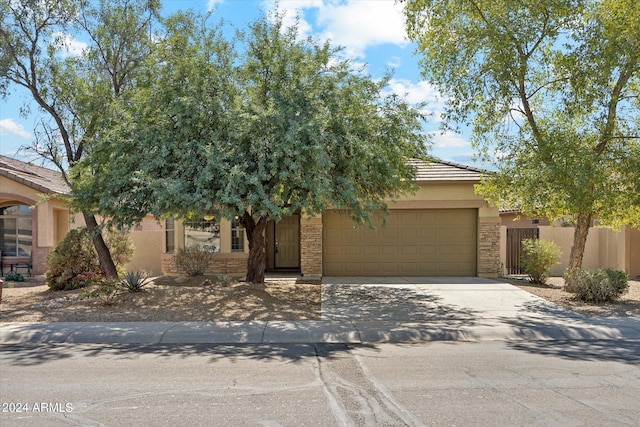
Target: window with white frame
pixel 203 233
pixel 237 236
pixel 16 232
pixel 170 235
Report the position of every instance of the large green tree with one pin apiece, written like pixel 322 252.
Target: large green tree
pixel 71 89
pixel 254 127
pixel 551 88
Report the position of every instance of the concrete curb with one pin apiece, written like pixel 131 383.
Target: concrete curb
pixel 320 331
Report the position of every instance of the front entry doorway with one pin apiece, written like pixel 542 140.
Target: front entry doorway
pixel 283 244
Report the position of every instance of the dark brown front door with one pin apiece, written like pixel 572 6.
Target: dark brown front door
pixel 287 242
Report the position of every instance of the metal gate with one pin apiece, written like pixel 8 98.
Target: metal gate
pixel 515 236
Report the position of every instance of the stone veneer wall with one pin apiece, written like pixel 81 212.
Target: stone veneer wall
pixel 231 264
pixel 311 247
pixel 488 247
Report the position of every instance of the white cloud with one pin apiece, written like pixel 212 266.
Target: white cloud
pixel 449 140
pixel 416 92
pixel 420 92
pixel 291 10
pixel 394 62
pixel 9 127
pixel 69 44
pixel 211 4
pixel 355 25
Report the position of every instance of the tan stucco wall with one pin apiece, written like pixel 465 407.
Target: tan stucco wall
pixel 435 195
pixel 605 248
pixel 634 253
pixel 148 239
pixel 512 220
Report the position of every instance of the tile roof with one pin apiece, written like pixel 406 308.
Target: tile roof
pixel 37 177
pixel 50 181
pixel 440 170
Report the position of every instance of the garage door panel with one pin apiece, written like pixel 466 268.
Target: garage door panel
pixel 371 251
pixel 427 250
pixel 409 251
pixel 436 242
pixel 427 234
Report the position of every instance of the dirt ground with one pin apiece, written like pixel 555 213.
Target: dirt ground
pixel 627 305
pixel 170 299
pixel 200 299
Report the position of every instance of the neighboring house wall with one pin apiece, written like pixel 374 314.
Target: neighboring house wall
pixel 605 248
pixel 634 253
pixel 49 221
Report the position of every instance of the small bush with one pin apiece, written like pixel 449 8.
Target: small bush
pixel 15 277
pixel 76 255
pixel 538 257
pixel 193 260
pixel 87 280
pixel 601 285
pixel 135 281
pixel 105 289
pixel 224 279
pixel 572 280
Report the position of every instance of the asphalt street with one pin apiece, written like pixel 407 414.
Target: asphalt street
pixel 499 383
pixel 386 352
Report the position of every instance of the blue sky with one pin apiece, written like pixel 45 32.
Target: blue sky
pixel 371 32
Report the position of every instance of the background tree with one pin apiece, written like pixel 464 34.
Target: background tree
pixel 72 88
pixel 254 128
pixel 553 87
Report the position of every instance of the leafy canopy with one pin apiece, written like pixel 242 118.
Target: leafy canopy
pixel 263 124
pixel 552 88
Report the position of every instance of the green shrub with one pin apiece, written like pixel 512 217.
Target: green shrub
pixel 601 285
pixel 193 260
pixel 572 280
pixel 224 279
pixel 538 256
pixel 105 289
pixel 135 281
pixel 15 277
pixel 76 255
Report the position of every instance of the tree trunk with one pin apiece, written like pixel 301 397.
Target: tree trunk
pixel 583 223
pixel 257 248
pixel 104 255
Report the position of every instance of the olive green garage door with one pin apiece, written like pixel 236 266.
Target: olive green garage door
pixel 415 242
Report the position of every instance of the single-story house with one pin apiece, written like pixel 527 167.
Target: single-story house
pixel 443 229
pixel 605 248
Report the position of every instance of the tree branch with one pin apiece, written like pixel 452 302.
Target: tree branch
pixel 625 74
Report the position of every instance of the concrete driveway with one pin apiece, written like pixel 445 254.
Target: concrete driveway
pixel 457 308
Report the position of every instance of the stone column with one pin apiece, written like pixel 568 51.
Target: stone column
pixel 488 242
pixel 311 247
